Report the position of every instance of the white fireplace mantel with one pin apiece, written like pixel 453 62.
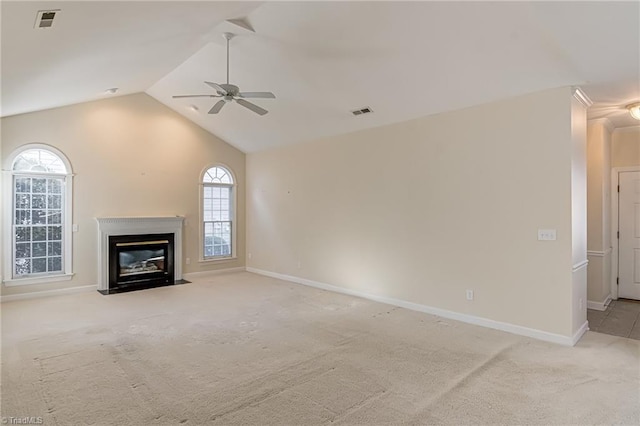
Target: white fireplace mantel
pixel 108 226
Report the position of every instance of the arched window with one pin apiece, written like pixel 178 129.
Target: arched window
pixel 218 213
pixel 40 217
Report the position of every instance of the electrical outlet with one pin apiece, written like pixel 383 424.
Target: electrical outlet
pixel 469 294
pixel 74 227
pixel 299 265
pixel 546 234
pixel 249 255
pixel 188 261
pixel 581 303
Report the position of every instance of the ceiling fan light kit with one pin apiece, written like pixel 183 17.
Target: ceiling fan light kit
pixel 230 92
pixel 634 110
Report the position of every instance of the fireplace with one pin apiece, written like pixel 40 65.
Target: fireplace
pixel 139 252
pixel 140 260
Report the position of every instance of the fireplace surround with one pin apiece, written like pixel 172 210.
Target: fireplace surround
pixel 138 252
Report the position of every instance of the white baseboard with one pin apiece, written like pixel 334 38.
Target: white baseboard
pixel 599 306
pixel 578 334
pixel 470 319
pixel 72 290
pixel 194 275
pixel 48 293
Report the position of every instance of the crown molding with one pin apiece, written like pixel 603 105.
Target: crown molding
pixel 582 97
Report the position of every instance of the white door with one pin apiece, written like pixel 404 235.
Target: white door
pixel 629 239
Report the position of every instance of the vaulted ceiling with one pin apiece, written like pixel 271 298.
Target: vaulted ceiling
pixel 321 59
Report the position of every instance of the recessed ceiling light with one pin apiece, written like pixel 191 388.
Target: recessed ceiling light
pixel 193 108
pixel 111 91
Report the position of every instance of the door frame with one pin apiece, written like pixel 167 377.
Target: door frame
pixel 615 180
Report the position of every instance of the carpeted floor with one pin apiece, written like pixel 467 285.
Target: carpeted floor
pixel 245 349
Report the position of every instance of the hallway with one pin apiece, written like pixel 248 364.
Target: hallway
pixel 621 318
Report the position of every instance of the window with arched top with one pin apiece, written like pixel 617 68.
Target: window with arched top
pixel 218 175
pixel 218 213
pixel 39 160
pixel 39 221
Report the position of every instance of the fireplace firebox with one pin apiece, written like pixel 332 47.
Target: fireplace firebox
pixel 140 261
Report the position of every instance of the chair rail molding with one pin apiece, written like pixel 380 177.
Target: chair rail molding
pixel 597 253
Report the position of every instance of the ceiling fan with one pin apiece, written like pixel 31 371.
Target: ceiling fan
pixel 229 92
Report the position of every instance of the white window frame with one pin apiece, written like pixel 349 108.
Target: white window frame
pixel 233 202
pixel 8 229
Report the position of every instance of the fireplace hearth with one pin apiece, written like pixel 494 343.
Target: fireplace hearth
pixel 136 253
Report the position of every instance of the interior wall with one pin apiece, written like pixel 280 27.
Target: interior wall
pixel 131 156
pixel 599 213
pixel 423 210
pixel 625 147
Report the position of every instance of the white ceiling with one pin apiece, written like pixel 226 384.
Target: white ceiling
pixel 322 59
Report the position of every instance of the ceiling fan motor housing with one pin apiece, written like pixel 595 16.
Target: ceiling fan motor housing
pixel 231 89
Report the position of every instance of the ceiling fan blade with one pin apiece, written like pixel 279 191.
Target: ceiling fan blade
pixel 253 107
pixel 195 96
pixel 217 107
pixel 264 95
pixel 218 88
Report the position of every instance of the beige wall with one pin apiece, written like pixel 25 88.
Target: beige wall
pixel 423 210
pixel 625 147
pixel 598 212
pixel 131 156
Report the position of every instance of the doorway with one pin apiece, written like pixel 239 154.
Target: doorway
pixel 626 233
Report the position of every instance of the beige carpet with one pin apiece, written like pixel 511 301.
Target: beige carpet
pixel 245 349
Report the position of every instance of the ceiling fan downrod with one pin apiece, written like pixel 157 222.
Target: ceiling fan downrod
pixel 227 36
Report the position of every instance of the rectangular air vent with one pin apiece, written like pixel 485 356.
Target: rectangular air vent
pixel 44 18
pixel 365 110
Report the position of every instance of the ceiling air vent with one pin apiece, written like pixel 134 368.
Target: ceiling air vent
pixel 365 110
pixel 44 18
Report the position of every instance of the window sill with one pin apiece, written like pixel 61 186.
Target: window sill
pixel 219 259
pixel 38 280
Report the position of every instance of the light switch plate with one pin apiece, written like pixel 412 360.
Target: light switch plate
pixel 546 234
